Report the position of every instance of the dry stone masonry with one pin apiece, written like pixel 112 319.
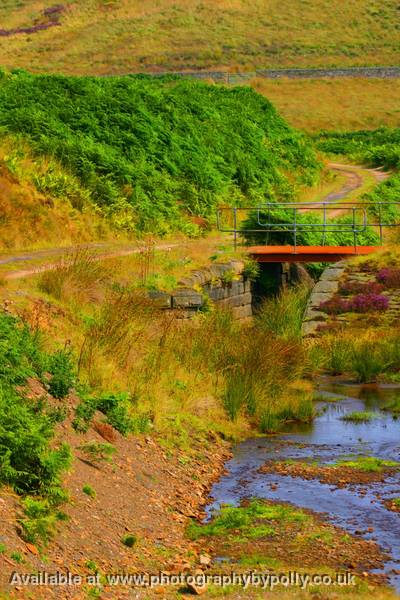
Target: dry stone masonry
pixel 324 290
pixel 224 284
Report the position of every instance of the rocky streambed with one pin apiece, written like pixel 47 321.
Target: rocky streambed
pixel 360 505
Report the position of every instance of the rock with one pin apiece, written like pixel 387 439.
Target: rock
pixel 318 297
pixel 198 590
pixel 326 287
pixel 204 560
pixel 32 549
pixel 314 315
pixel 332 273
pixel 310 328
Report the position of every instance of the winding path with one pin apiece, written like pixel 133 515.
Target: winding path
pixel 354 174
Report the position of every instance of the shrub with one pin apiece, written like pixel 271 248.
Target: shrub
pixel 389 277
pixel 335 305
pixel 62 371
pixel 367 360
pixel 89 491
pixel 29 461
pixel 368 303
pixel 348 288
pixel 337 353
pixel 362 303
pixel 129 540
pixel 97 452
pixel 117 408
pixel 251 269
pixel 39 521
pixel 283 315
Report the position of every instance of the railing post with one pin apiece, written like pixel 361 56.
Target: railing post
pixel 295 228
pixel 235 228
pixel 380 223
pixel 324 226
pixel 354 229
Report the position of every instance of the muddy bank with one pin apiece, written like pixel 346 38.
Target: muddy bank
pixel 339 476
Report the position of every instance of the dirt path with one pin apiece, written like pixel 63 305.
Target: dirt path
pixel 58 253
pixel 354 174
pixel 354 179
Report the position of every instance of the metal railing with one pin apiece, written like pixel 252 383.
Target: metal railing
pixel 361 216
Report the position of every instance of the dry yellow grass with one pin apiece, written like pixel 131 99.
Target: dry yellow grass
pixel 110 36
pixel 334 104
pixel 31 220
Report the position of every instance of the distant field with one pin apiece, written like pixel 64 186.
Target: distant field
pixel 335 104
pixel 120 36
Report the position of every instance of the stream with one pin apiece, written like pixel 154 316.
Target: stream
pixel 355 508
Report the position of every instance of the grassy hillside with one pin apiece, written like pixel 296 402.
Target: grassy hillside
pixel 334 104
pixel 153 153
pixel 110 36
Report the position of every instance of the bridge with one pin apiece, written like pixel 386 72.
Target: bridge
pixel 309 231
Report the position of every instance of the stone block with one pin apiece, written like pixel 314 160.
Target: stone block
pixel 160 299
pixel 243 312
pixel 235 288
pixel 324 287
pixel 239 300
pixel 314 315
pixel 186 298
pixel 310 328
pixel 316 299
pixel 332 274
pixel 217 293
pixel 246 285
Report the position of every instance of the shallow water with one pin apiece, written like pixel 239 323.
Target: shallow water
pixel 328 439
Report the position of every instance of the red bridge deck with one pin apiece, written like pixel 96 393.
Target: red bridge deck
pixel 268 254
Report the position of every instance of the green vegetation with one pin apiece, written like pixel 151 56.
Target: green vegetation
pixel 370 464
pixel 360 416
pixel 307 234
pixel 368 355
pixel 17 556
pixel 254 520
pixel 125 339
pixel 393 406
pixel 282 315
pixel 97 452
pixel 129 540
pixel 29 462
pixel 151 153
pixel 89 491
pixel 39 522
pixel 117 408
